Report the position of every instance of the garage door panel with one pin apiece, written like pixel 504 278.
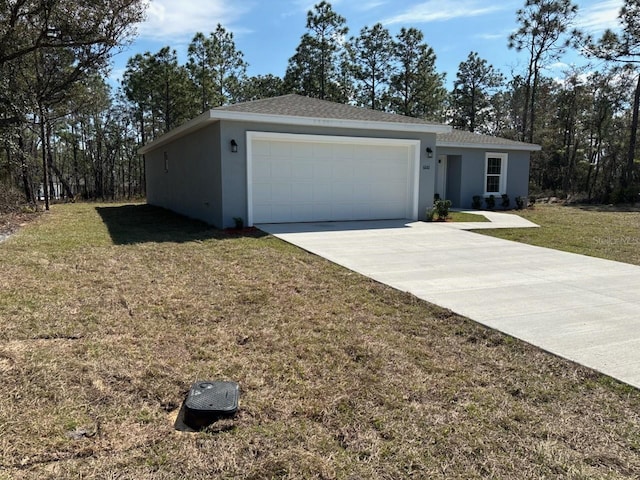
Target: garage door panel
pixel 281 193
pixel 261 167
pixel 302 192
pixel 342 192
pixel 321 211
pixel 343 170
pixel 281 169
pixel 261 148
pixel 330 179
pixel 261 193
pixel 322 171
pixel 323 151
pixel 281 150
pixel 343 212
pixel 303 212
pixel 302 170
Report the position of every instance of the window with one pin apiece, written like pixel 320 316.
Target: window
pixel 495 174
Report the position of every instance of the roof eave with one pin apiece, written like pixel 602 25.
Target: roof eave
pixel 192 125
pixel 217 115
pixel 331 122
pixel 491 146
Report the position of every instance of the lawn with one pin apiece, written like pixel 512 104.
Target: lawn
pixel 109 312
pixel 609 232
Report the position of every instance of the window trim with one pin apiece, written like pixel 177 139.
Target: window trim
pixel 504 157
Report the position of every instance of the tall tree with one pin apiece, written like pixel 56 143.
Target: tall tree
pixel 216 67
pixel 53 45
pixel 416 89
pixel 372 55
pixel 199 66
pixel 172 96
pixel 624 48
pixel 313 70
pixel 543 35
pixel 472 93
pixel 90 31
pixel 261 86
pixel 160 90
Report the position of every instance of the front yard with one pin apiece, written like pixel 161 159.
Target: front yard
pixel 611 232
pixel 109 312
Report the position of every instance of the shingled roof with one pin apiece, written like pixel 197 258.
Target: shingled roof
pixel 464 139
pixel 306 107
pixel 298 110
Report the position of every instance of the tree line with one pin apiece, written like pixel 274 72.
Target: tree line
pixel 65 133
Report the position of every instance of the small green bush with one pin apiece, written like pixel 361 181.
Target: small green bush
pixel 431 213
pixel 442 209
pixel 506 201
pixel 491 202
pixel 239 223
pixel 476 202
pixel 520 202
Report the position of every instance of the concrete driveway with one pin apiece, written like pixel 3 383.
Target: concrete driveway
pixel 581 308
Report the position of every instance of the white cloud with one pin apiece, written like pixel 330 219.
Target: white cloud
pixel 434 10
pixel 364 6
pixel 600 16
pixel 172 20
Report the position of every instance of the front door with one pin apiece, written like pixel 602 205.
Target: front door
pixel 441 179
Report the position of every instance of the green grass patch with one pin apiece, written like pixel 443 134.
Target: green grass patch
pixel 466 217
pixel 598 231
pixel 110 312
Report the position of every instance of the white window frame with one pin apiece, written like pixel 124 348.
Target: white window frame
pixel 504 160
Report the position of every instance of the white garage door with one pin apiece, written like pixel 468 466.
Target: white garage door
pixel 304 178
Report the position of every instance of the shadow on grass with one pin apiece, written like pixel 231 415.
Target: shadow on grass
pixel 132 224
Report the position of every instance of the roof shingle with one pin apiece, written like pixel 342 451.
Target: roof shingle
pixel 462 137
pixel 299 106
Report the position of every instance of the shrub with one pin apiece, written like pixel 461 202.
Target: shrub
pixel 476 202
pixel 442 208
pixel 520 202
pixel 431 213
pixel 506 201
pixel 239 223
pixel 624 195
pixel 491 202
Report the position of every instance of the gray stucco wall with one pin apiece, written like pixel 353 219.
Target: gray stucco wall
pixel 234 165
pixel 192 184
pixel 454 172
pixel 472 176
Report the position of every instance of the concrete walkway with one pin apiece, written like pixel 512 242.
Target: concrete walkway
pixel 581 308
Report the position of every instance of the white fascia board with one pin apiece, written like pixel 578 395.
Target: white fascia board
pixel 217 115
pixel 490 146
pixel 330 122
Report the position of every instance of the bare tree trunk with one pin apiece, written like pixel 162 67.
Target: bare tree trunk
pixel 26 180
pixel 627 178
pixel 45 167
pixel 52 189
pixel 65 184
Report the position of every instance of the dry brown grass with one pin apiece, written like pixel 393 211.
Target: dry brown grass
pixel 105 324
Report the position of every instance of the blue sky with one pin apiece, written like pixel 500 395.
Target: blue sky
pixel 268 31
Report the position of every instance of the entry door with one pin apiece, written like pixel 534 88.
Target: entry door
pixel 441 183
